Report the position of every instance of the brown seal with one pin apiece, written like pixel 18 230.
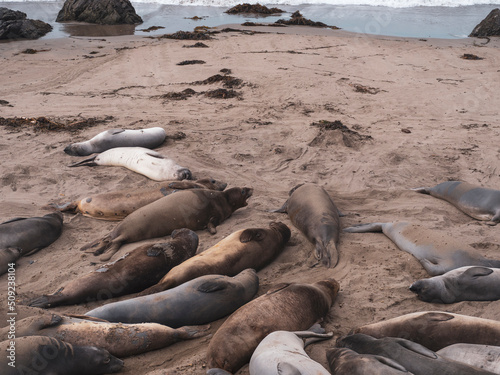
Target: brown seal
pixel 288 307
pixel 246 248
pixel 116 205
pixel 195 209
pixel 313 212
pixel 135 271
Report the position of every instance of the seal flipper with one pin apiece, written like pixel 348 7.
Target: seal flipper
pixel 87 162
pixel 417 348
pixel 365 228
pixel 213 286
pixel 327 254
pixel 282 209
pixel 106 244
pixel 391 363
pixel 71 207
pixel 192 332
pixel 422 190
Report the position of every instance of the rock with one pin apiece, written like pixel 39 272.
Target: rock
pixel 252 8
pixel 103 12
pixel 16 25
pixel 490 26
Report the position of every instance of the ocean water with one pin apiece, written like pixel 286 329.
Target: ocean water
pixel 406 18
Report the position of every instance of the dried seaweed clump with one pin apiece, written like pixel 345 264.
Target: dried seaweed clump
pixel 365 89
pixel 188 35
pixel 228 81
pixel 298 19
pixel 45 124
pixel 191 62
pixel 335 132
pixel 182 95
pixel 196 45
pixel 470 56
pixel 253 8
pixel 222 94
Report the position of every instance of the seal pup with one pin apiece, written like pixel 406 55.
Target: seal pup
pixel 470 283
pixel 313 212
pixel 436 251
pixel 199 301
pixel 245 248
pixel 287 307
pixel 477 202
pixel 131 273
pixel 436 329
pixel 485 357
pixel 141 160
pixel 47 355
pixel 412 356
pixel 147 138
pixel 283 349
pixel 195 209
pixel 7 256
pixel 116 205
pixel 343 361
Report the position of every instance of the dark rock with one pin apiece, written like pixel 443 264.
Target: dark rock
pixel 252 8
pixel 15 25
pixel 490 26
pixel 187 35
pixel 298 19
pixel 103 12
pixel 191 62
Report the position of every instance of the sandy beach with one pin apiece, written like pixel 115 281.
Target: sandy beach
pixel 415 113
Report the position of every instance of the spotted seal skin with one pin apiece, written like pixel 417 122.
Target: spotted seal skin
pixel 147 138
pixel 116 205
pixel 486 357
pixel 194 209
pixel 132 273
pixel 436 251
pixel 141 160
pixel 477 202
pixel 50 356
pixel 199 301
pixel 313 212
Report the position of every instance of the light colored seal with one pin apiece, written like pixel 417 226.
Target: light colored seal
pixel 8 256
pixel 148 138
pixel 343 361
pixel 485 357
pixel 477 202
pixel 132 273
pixel 141 160
pixel 47 355
pixel 313 212
pixel 287 307
pixel 436 251
pixel 414 357
pixel 195 209
pixel 436 330
pixel 116 205
pixel 283 350
pixel 199 301
pixel 245 248
pixel 470 283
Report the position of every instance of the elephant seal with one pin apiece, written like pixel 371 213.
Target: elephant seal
pixel 313 212
pixel 199 301
pixel 462 284
pixel 245 248
pixel 8 256
pixel 116 205
pixel 485 357
pixel 47 355
pixel 141 160
pixel 412 356
pixel 477 202
pixel 287 307
pixel 436 330
pixel 283 349
pixel 343 361
pixel 121 340
pixel 135 271
pixel 195 209
pixel 436 251
pixel 148 138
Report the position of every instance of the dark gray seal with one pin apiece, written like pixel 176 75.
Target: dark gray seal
pixel 8 256
pixel 486 357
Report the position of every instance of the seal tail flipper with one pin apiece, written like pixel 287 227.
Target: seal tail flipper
pixel 66 207
pixel 106 244
pixel 422 190
pixel 365 228
pixel 42 301
pixel 327 253
pixel 192 332
pixel 87 162
pixel 282 209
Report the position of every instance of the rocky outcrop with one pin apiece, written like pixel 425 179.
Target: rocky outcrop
pixel 246 8
pixel 103 12
pixel 16 25
pixel 490 26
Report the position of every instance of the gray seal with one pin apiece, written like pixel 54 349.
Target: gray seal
pixel 477 202
pixel 462 284
pixel 486 357
pixel 8 256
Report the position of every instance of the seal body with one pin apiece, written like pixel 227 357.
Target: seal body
pixel 313 212
pixel 246 248
pixel 148 138
pixel 436 251
pixel 436 330
pixel 477 202
pixel 414 357
pixel 195 209
pixel 140 160
pixel 47 355
pixel 116 205
pixel 7 256
pixel 288 307
pixel 133 272
pixel 485 357
pixel 199 301
pixel 462 284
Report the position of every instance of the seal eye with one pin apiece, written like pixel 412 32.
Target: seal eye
pixel 107 360
pixel 212 181
pixel 243 191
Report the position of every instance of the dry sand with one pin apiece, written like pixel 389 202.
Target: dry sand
pixel 431 116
